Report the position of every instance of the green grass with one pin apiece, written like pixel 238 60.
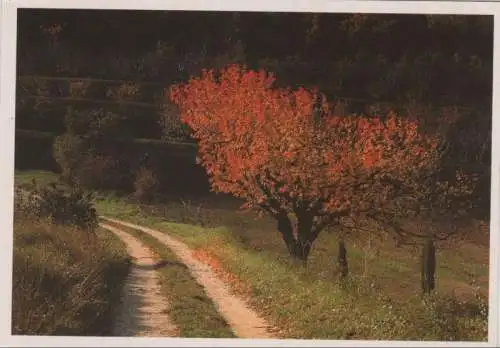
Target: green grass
pixel 379 301
pixel 189 306
pixel 42 177
pixel 64 281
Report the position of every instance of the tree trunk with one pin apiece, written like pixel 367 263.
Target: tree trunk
pixel 301 252
pixel 299 247
pixel 342 259
pixel 428 266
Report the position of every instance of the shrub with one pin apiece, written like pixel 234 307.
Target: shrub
pixel 58 206
pixel 96 123
pixel 146 184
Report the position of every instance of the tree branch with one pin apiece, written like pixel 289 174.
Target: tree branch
pixel 273 203
pixel 403 233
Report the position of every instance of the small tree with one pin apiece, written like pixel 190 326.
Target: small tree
pixel 86 152
pixel 342 259
pixel 267 146
pixel 145 184
pixel 428 266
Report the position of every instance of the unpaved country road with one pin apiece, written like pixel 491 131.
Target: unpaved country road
pixel 244 322
pixel 142 311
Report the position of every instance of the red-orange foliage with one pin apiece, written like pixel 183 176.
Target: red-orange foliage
pixel 267 146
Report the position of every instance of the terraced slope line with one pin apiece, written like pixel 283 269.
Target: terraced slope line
pixel 243 320
pixel 143 308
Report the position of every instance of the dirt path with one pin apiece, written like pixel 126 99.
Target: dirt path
pixel 243 320
pixel 143 308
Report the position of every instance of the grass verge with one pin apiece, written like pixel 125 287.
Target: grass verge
pixel 191 309
pixel 305 304
pixel 65 282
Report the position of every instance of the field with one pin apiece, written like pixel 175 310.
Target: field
pixel 380 300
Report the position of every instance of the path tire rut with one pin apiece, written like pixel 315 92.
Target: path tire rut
pixel 143 308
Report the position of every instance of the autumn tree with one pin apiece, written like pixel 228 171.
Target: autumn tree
pixel 268 146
